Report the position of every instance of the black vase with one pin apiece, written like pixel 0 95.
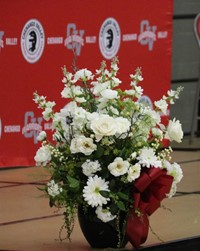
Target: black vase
pixel 99 234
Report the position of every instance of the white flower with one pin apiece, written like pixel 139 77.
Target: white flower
pixel 90 167
pixel 81 144
pixel 83 74
pixel 42 136
pixel 43 156
pixel 109 94
pixel 123 125
pixel 53 189
pixel 174 131
pixel 116 81
pixel 161 105
pixel 134 172
pixel 147 158
pixel 104 125
pixel 157 133
pixel 91 191
pixel 172 190
pixel 99 87
pixel 47 113
pixel 155 116
pixel 174 170
pixel 104 214
pixel 118 167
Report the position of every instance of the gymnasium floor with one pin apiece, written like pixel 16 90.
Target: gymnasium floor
pixel 27 222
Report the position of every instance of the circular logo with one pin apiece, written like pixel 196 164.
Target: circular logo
pixel 109 38
pixel 32 41
pixel 146 101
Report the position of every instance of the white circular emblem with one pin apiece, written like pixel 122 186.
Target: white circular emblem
pixel 32 41
pixel 109 38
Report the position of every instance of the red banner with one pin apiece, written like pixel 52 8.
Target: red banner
pixel 38 37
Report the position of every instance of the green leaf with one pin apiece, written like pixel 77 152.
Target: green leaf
pixel 123 196
pixel 99 152
pixel 104 193
pixel 73 183
pixel 121 205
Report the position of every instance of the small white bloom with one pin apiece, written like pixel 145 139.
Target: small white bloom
pixel 147 158
pixel 50 104
pixel 109 94
pixel 123 125
pixel 104 214
pixel 81 144
pixel 90 167
pixel 91 191
pixel 43 156
pixel 174 131
pixel 116 81
pixel 53 189
pixel 161 105
pixel 157 133
pixel 104 125
pixel 99 87
pixel 118 167
pixel 83 74
pixel 42 136
pixel 174 170
pixel 47 113
pixel 134 172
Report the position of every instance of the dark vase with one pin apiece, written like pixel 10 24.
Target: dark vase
pixel 99 234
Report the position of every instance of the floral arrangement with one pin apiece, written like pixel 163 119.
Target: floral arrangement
pixel 104 143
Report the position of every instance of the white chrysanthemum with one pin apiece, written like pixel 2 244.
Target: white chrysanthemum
pixel 42 136
pixel 104 125
pixel 53 189
pixel 90 167
pixel 109 94
pixel 104 214
pixel 118 167
pixel 147 158
pixel 161 105
pixel 174 131
pixel 43 156
pixel 91 191
pixel 81 144
pixel 134 172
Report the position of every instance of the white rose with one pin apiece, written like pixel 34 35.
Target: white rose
pixel 43 156
pixel 81 144
pixel 134 172
pixel 109 94
pixel 123 125
pixel 104 214
pixel 118 167
pixel 104 125
pixel 174 131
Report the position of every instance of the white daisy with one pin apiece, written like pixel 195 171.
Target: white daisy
pixel 91 191
pixel 147 158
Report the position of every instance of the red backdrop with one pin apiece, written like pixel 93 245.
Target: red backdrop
pixel 37 38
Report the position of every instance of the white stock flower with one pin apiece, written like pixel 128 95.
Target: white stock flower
pixel 81 144
pixel 116 81
pixel 43 156
pixel 83 74
pixel 147 158
pixel 47 113
pixel 161 105
pixel 174 131
pixel 104 125
pixel 118 167
pixel 109 94
pixel 91 191
pixel 99 87
pixel 134 172
pixel 157 132
pixel 90 167
pixel 41 136
pixel 104 214
pixel 53 189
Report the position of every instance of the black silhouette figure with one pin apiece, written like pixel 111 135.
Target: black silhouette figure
pixel 110 38
pixel 33 41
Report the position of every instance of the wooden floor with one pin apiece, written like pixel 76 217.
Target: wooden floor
pixel 27 223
